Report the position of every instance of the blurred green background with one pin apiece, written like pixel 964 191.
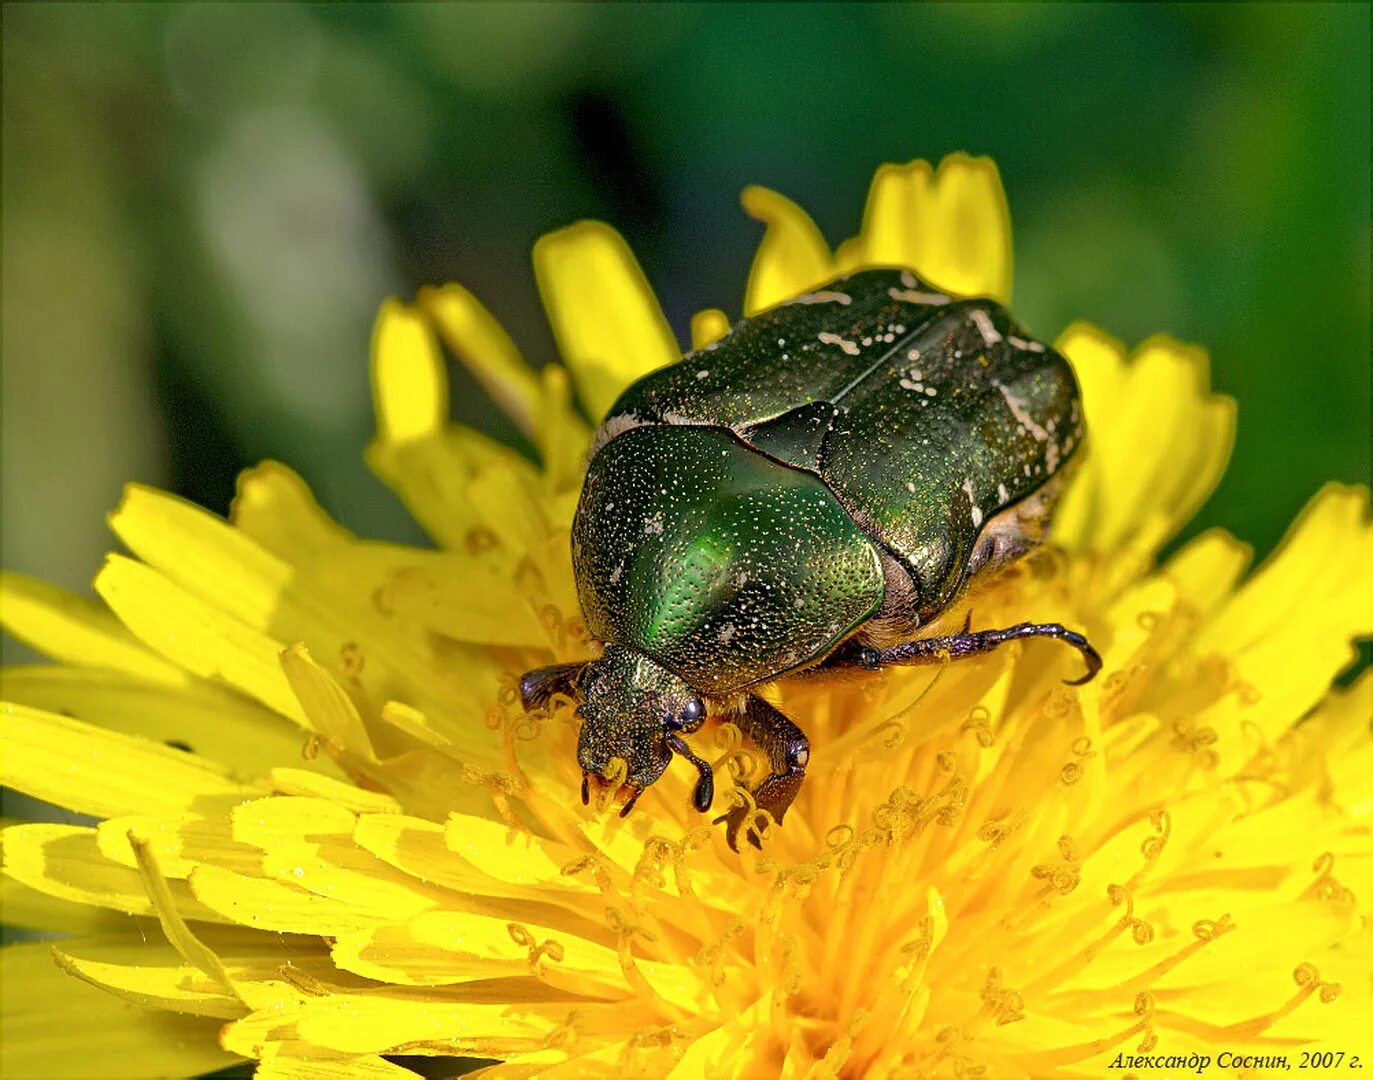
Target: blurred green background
pixel 204 205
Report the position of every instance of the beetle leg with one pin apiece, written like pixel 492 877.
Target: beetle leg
pixel 537 687
pixel 705 783
pixel 788 751
pixel 965 643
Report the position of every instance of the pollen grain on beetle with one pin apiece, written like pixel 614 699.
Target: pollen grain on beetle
pixel 371 851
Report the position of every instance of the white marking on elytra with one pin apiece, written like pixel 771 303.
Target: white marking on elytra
pixel 972 502
pixel 910 486
pixel 1002 493
pixel 912 381
pixel 654 526
pixel 617 573
pixel 1021 343
pixel 1021 412
pixel 908 279
pixel 703 374
pixel 910 296
pixel 850 347
pixel 990 334
pixel 726 633
pixel 824 296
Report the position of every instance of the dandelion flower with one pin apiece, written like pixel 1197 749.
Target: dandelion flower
pixel 325 837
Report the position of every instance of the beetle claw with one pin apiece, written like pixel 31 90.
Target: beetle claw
pixel 586 788
pixel 1090 656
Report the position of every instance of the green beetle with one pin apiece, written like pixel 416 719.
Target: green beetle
pixel 807 493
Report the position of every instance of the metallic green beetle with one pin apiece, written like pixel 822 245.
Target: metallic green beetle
pixel 807 493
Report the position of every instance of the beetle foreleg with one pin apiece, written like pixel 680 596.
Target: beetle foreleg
pixel 537 687
pixel 788 752
pixel 704 793
pixel 965 643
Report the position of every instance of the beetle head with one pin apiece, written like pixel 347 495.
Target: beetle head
pixel 633 713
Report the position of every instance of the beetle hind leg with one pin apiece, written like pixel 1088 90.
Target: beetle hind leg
pixel 788 752
pixel 965 643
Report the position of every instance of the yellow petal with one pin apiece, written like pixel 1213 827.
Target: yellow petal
pixel 433 476
pixel 180 843
pixel 340 600
pixel 237 578
pixel 792 256
pixel 378 1024
pixel 509 498
pixel 330 1067
pixel 1207 568
pixel 708 327
pixel 562 435
pixel 308 843
pixel 196 634
pixel 211 720
pixel 274 905
pixel 1289 630
pixel 54 1025
pixel 392 954
pixel 486 350
pixel 276 508
pixel 65 861
pixel 92 771
pixel 202 553
pixel 604 315
pixel 465 599
pixel 409 384
pixel 313 785
pixel 427 461
pixel 848 256
pixel 413 723
pixel 289 821
pixel 952 226
pixel 510 855
pixel 141 972
pixel 1157 442
pixel 564 959
pixel 1340 730
pixel 331 712
pixel 76 630
pixel 417 847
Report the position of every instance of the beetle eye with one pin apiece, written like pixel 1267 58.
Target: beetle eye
pixel 693 710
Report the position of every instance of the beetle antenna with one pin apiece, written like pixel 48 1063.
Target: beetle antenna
pixel 586 789
pixel 704 794
pixel 629 803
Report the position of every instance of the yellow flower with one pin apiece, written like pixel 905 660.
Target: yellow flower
pixel 985 870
